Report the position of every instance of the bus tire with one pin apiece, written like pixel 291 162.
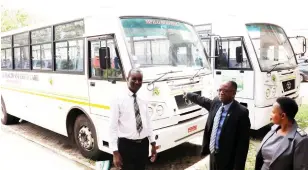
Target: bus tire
pixel 85 138
pixel 7 119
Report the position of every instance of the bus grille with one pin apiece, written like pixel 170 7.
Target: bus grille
pixel 288 85
pixel 182 104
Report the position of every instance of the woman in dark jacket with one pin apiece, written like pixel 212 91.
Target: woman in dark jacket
pixel 285 147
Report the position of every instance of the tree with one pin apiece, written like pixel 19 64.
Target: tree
pixel 13 19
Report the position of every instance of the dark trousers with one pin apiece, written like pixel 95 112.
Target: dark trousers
pixel 134 153
pixel 213 162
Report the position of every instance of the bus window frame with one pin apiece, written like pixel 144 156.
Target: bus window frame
pixel 104 37
pixel 244 45
pixel 52 41
pixel 12 51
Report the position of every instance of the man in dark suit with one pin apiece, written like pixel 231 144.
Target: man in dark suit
pixel 226 134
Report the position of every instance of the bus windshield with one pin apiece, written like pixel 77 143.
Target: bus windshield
pixel 161 42
pixel 272 46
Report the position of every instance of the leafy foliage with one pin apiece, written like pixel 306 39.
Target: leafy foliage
pixel 13 19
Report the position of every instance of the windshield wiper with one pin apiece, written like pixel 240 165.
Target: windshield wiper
pixel 274 66
pixel 163 74
pixel 197 72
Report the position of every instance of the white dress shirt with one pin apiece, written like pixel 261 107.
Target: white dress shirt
pixel 123 121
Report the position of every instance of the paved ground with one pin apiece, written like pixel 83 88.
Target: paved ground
pixel 19 153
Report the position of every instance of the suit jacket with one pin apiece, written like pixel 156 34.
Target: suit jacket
pixel 292 153
pixel 234 136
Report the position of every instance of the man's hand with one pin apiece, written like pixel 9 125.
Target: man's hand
pixel 184 95
pixel 117 160
pixel 154 153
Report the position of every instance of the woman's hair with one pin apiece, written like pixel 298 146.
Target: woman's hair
pixel 288 106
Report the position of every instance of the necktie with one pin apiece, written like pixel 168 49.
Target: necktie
pixel 214 129
pixel 137 115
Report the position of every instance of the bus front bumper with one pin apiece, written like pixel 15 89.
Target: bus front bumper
pixel 170 137
pixel 263 114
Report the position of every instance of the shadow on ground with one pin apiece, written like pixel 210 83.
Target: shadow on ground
pixel 180 157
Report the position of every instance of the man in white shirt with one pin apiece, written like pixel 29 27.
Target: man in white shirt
pixel 130 127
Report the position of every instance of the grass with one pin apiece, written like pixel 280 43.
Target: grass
pixel 302 117
pixel 302 120
pixel 251 157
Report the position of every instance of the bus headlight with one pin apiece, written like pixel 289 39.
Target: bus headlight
pixel 274 91
pixel 156 110
pixel 159 110
pixel 150 111
pixel 268 93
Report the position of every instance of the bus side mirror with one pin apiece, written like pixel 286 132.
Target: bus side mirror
pixel 239 54
pixel 296 42
pixel 304 46
pixel 104 57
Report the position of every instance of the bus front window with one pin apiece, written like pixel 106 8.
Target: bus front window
pixel 160 42
pixel 272 46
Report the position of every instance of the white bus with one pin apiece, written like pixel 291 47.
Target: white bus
pixel 259 57
pixel 63 76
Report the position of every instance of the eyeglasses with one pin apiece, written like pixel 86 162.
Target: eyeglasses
pixel 134 80
pixel 224 90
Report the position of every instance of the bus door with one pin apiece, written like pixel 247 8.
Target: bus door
pixel 233 63
pixel 105 73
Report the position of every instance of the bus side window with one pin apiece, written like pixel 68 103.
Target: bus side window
pixel 221 62
pixel 115 70
pixel 206 42
pixel 237 50
pixel 207 47
pixel 234 55
pixel 69 56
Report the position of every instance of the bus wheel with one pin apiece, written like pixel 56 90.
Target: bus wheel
pixel 85 138
pixel 6 118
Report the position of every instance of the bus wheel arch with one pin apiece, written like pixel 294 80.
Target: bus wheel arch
pixel 7 119
pixel 81 131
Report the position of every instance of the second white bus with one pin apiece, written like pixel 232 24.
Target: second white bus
pixel 259 57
